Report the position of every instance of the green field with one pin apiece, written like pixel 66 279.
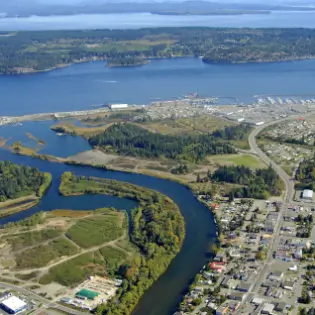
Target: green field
pixel 237 159
pixel 190 125
pixel 97 230
pixel 33 238
pixel 76 270
pixel 41 255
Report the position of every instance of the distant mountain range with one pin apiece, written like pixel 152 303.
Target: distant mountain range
pixel 35 7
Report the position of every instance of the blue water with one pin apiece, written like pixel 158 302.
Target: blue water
pixel 140 20
pixel 62 146
pixel 163 297
pixel 82 85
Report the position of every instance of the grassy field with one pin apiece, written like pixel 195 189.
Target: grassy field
pixel 70 128
pixel 33 238
pixel 76 270
pixel 97 230
pixel 201 124
pixel 41 255
pixel 70 213
pixel 236 159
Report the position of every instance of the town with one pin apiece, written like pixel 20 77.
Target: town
pixel 264 261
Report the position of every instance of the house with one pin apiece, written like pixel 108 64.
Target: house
pixel 298 254
pixel 307 194
pixel 234 253
pixel 215 206
pixel 225 282
pixel 233 306
pixel 267 308
pixel 257 301
pixel 223 309
pixel 237 296
pixel 217 266
pixel 283 255
pixel 280 307
pixel 269 227
pixel 276 276
pixel 220 257
pixel 244 287
pixel 288 285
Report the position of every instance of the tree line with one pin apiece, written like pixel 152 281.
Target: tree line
pixel 42 50
pixel 128 139
pixel 257 184
pixel 156 227
pixel 17 181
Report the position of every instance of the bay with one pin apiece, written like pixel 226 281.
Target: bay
pixel 141 20
pixel 80 86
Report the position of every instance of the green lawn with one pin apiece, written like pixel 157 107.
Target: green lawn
pixel 237 159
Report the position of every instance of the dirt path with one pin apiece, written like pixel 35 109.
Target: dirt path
pixel 45 269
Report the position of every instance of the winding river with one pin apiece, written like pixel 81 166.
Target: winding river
pixel 163 297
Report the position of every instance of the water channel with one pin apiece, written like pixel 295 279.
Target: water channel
pixel 163 297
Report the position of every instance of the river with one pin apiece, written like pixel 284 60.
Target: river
pixel 164 296
pixel 141 20
pixel 80 86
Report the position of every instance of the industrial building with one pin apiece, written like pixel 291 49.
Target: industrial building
pixel 307 194
pixel 86 294
pixel 117 106
pixel 13 305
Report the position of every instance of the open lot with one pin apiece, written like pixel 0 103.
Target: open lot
pixel 64 249
pixel 236 159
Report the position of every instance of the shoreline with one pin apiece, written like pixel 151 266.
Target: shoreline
pixel 13 206
pixel 147 61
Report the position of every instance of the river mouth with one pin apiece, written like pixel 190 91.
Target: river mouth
pixel 165 294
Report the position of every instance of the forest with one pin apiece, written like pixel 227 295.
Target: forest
pixel 156 227
pixel 305 174
pixel 43 50
pixel 128 139
pixel 18 181
pixel 258 184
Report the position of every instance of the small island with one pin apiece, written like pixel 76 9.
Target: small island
pixel 126 62
pixel 21 187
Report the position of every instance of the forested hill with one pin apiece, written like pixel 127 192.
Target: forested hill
pixel 128 139
pixel 34 51
pixel 17 181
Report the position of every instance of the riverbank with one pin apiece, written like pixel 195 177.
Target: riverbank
pixel 10 207
pixel 22 203
pixel 158 234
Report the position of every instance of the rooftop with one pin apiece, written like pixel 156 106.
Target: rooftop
pixel 14 303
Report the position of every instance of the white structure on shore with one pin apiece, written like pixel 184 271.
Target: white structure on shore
pixel 118 106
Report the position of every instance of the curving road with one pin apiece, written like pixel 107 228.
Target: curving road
pixel 287 198
pixel 289 184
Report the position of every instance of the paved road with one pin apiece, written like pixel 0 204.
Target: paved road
pixel 287 198
pixel 43 300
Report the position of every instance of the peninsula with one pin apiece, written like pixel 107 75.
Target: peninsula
pixel 46 50
pixel 20 187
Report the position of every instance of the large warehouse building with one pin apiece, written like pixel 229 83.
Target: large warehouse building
pixel 118 106
pixel 13 305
